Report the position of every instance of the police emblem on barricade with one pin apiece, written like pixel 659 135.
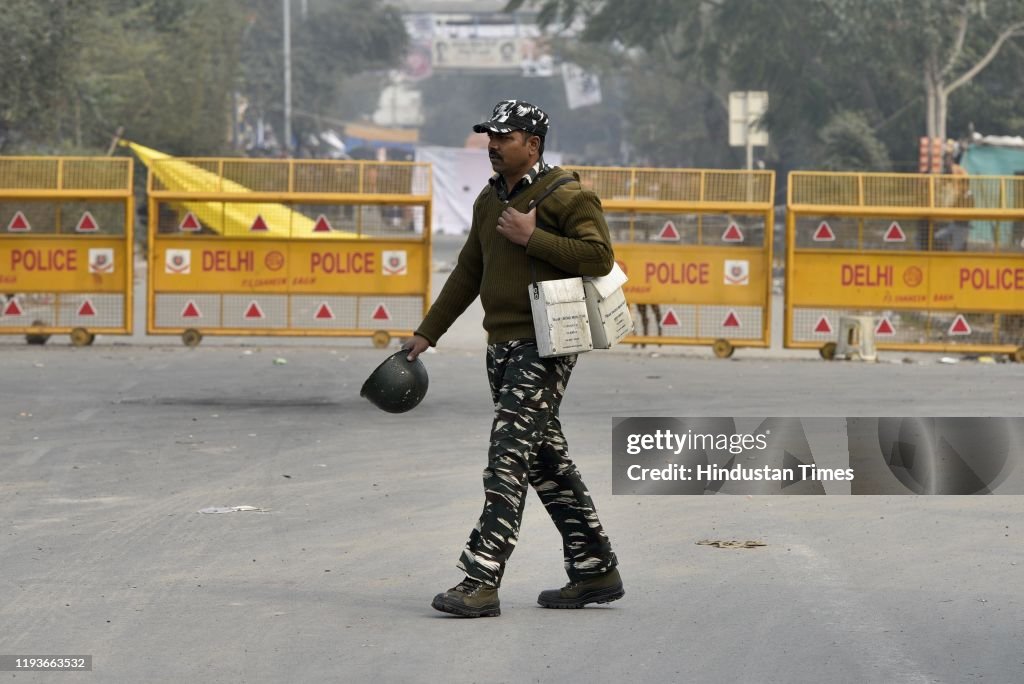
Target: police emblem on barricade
pixel 101 260
pixel 178 261
pixel 396 262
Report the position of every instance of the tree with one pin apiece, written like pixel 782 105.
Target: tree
pixel 167 70
pixel 337 39
pixel 817 59
pixel 851 145
pixel 950 41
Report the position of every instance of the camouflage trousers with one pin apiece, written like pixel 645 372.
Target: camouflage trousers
pixel 528 448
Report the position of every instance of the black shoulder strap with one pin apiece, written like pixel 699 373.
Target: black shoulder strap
pixel 535 202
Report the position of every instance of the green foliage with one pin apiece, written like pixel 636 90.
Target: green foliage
pixel 849 144
pixel 166 70
pixel 853 67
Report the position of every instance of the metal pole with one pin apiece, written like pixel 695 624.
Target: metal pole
pixel 746 123
pixel 287 77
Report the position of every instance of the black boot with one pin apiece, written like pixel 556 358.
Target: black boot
pixel 469 598
pixel 598 589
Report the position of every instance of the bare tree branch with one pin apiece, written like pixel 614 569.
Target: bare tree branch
pixel 961 35
pixel 1011 32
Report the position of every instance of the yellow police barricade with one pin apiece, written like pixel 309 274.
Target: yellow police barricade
pixel 697 247
pixel 287 247
pixel 65 247
pixel 937 261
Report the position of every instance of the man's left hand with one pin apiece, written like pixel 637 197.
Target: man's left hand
pixel 517 226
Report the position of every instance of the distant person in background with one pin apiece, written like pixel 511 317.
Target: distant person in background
pixel 953 236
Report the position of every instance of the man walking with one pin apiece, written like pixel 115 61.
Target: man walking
pixel 510 243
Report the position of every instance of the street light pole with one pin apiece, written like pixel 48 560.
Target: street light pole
pixel 287 77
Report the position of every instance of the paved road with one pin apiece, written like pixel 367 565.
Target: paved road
pixel 109 452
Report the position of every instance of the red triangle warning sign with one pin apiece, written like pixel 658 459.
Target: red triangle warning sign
pixel 19 223
pixel 191 310
pixel 13 308
pixel 824 233
pixel 960 326
pixel 86 309
pixel 190 223
pixel 731 321
pixel 324 313
pixel 732 234
pixel 885 327
pixel 87 224
pixel 668 232
pixel 259 225
pixel 381 313
pixel 895 233
pixel 254 311
pixel 823 326
pixel 322 225
pixel 670 319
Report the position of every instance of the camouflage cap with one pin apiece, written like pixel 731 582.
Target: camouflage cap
pixel 514 115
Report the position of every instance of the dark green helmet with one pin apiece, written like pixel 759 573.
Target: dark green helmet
pixel 397 385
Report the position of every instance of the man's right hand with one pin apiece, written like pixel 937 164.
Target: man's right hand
pixel 416 345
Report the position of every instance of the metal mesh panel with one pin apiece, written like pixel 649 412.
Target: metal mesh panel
pixel 673 185
pixel 895 234
pixel 172 216
pixel 195 175
pixel 265 176
pixel 816 325
pixel 1011 329
pixel 91 310
pixel 986 193
pixel 338 218
pixel 65 173
pixel 256 220
pixel 665 320
pixel 390 313
pixel 39 216
pixel 387 221
pixel 896 191
pixel 723 230
pixel 1014 192
pixel 842 190
pixel 606 183
pixel 96 174
pixel 187 311
pixel 742 186
pixel 677 185
pixel 649 227
pixel 907 190
pixel 388 179
pixel 323 312
pixel 21 310
pixel 731 322
pixel 255 311
pixel 108 217
pixel 28 174
pixel 321 177
pixel 912 328
pixel 845 230
pixel 946 328
pixel 277 175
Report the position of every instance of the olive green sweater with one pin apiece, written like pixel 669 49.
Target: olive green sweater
pixel 571 240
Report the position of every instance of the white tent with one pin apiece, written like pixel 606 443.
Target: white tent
pixel 459 175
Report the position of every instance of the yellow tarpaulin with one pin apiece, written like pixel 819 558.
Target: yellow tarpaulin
pixel 227 217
